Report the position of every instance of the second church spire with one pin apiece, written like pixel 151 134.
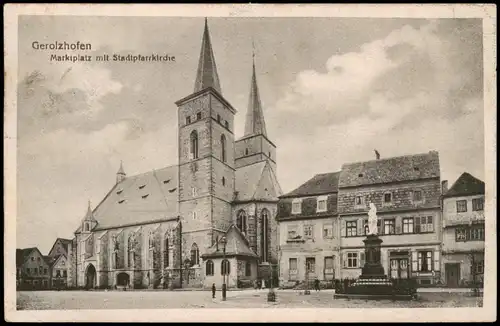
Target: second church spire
pixel 254 124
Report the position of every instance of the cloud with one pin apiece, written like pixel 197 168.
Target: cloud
pixel 406 93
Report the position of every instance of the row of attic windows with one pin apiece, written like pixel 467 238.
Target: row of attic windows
pixel 120 191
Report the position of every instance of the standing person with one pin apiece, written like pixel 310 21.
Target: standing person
pixel 316 284
pixel 213 290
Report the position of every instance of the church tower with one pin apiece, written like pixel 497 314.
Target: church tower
pixel 255 146
pixel 206 158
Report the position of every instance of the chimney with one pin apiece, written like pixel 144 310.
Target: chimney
pixel 444 186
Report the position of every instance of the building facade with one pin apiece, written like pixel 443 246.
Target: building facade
pixel 59 259
pixel 32 270
pixel 156 229
pixel 308 241
pixel 406 192
pixel 463 232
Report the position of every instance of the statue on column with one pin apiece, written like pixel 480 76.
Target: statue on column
pixel 372 220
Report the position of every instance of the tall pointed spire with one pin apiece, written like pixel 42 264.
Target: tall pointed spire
pixel 206 76
pixel 254 124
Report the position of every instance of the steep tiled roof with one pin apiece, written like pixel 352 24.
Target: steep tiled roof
pixel 237 245
pixel 320 184
pixel 139 199
pixel 257 182
pixel 394 169
pixel 247 178
pixel 65 243
pixel 308 208
pixel 22 254
pixel 466 185
pixel 51 261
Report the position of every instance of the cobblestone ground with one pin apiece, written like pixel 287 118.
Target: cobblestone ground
pixel 44 300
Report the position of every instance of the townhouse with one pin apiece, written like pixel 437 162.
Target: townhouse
pixel 463 232
pixel 307 217
pixel 406 191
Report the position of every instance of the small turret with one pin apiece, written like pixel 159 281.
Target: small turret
pixel 89 221
pixel 120 175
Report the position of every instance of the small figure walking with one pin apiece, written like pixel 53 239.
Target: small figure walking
pixel 316 284
pixel 213 290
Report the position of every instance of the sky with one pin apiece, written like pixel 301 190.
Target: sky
pixel 332 89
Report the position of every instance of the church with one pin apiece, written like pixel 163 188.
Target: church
pixel 208 219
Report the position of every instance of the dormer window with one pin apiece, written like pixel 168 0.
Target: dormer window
pixel 297 206
pixel 321 204
pixel 121 201
pixel 145 196
pixel 172 190
pixel 166 181
pixel 142 186
pixel 119 191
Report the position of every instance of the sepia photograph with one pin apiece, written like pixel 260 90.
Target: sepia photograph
pixel 210 158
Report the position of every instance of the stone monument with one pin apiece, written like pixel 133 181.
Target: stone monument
pixel 373 283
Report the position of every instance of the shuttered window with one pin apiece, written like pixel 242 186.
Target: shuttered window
pixel 351 228
pixel 424 259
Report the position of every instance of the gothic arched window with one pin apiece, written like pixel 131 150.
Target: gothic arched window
pixel 209 271
pixel 151 240
pixel 223 146
pixel 241 221
pixel 166 253
pixel 195 255
pixel 193 144
pixel 264 235
pixel 116 249
pixel 225 267
pixel 151 250
pixel 131 252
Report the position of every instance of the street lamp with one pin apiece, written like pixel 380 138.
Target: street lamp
pixel 306 292
pixel 224 266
